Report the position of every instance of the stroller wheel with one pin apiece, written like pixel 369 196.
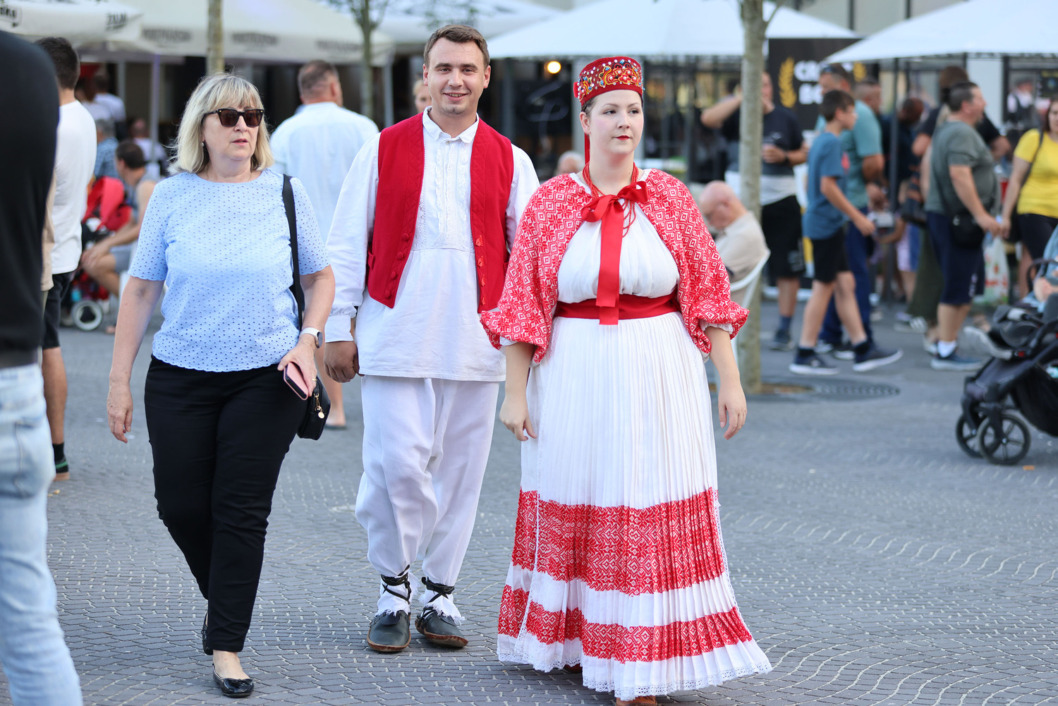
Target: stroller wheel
pixel 1006 445
pixel 87 314
pixel 966 435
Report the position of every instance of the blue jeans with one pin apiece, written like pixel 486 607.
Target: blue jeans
pixel 34 655
pixel 856 253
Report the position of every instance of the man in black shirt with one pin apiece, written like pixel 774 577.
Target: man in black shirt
pixel 34 655
pixel 780 218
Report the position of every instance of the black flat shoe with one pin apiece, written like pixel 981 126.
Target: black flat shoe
pixel 205 648
pixel 389 632
pixel 233 688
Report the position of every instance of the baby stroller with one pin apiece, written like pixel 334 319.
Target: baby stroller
pixel 1016 388
pixel 86 301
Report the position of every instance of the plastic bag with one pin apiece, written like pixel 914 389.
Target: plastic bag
pixel 997 273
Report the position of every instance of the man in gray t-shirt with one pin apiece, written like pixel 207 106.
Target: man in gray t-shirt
pixel 959 144
pixel 962 183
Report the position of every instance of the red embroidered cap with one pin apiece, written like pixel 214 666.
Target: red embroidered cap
pixel 612 73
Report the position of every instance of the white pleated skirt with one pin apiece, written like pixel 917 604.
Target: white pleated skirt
pixel 618 563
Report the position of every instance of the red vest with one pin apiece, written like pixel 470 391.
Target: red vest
pixel 401 157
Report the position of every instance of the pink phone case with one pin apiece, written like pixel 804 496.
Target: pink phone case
pixel 295 378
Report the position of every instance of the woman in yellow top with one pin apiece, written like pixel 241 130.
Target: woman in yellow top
pixel 1037 195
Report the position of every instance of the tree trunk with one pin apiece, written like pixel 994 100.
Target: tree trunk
pixel 367 85
pixel 749 166
pixel 215 38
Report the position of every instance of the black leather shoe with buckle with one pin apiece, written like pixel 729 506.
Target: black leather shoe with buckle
pixel 439 629
pixel 391 632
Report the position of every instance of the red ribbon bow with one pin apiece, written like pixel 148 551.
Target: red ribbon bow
pixel 609 209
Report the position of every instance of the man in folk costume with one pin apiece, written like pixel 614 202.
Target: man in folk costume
pixel 419 244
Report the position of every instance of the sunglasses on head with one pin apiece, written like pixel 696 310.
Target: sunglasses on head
pixel 229 117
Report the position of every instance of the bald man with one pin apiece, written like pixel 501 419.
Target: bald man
pixel 739 238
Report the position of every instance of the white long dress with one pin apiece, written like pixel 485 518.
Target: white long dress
pixel 618 563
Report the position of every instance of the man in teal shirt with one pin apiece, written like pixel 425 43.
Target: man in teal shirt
pixel 863 145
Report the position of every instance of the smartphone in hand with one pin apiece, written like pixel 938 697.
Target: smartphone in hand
pixel 295 378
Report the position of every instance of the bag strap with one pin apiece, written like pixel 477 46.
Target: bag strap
pixel 1043 136
pixel 292 222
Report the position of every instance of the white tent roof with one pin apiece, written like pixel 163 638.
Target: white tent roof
pixel 77 20
pixel 412 21
pixel 649 28
pixel 270 30
pixel 976 27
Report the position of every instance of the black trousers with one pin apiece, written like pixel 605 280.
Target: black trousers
pixel 218 440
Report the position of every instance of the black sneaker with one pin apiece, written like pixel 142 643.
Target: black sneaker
pixel 782 341
pixel 875 357
pixel 841 351
pixel 811 364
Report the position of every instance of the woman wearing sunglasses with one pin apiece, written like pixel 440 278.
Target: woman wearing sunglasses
pixel 219 415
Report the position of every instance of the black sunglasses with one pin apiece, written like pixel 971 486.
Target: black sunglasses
pixel 229 117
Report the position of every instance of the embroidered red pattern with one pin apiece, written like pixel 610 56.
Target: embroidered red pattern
pixel 635 551
pixel 620 643
pixel 552 217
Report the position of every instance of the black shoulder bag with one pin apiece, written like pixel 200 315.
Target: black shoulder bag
pixel 318 405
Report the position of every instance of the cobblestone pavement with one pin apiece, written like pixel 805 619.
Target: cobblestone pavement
pixel 874 562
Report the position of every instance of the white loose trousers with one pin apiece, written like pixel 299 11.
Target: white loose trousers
pixel 426 444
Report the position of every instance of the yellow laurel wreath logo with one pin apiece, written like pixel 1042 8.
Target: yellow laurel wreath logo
pixel 787 94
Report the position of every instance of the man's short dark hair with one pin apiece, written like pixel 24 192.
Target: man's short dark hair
pixel 868 81
pixel 313 75
pixel 101 83
pixel 64 57
pixel 960 93
pixel 130 153
pixel 837 70
pixel 833 101
pixel 460 34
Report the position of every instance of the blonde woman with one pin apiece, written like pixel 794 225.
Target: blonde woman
pixel 220 415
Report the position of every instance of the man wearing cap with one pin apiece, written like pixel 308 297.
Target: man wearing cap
pixel 412 278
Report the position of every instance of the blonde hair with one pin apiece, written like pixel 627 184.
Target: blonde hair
pixel 213 92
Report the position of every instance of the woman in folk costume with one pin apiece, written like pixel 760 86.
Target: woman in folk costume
pixel 613 292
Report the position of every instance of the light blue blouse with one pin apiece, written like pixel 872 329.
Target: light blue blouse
pixel 224 253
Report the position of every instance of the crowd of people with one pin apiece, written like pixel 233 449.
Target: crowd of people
pixel 470 275
pixel 945 198
pixel 428 260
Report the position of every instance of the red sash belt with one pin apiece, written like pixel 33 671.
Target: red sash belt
pixel 628 307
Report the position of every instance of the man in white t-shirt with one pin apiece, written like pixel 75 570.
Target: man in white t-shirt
pixel 318 145
pixel 114 105
pixel 152 151
pixel 75 158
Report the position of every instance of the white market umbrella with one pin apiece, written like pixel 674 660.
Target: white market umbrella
pixel 645 28
pixel 262 30
pixel 77 20
pixel 976 27
pixel 411 22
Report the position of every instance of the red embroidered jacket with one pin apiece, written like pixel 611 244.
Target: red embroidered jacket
pixel 553 215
